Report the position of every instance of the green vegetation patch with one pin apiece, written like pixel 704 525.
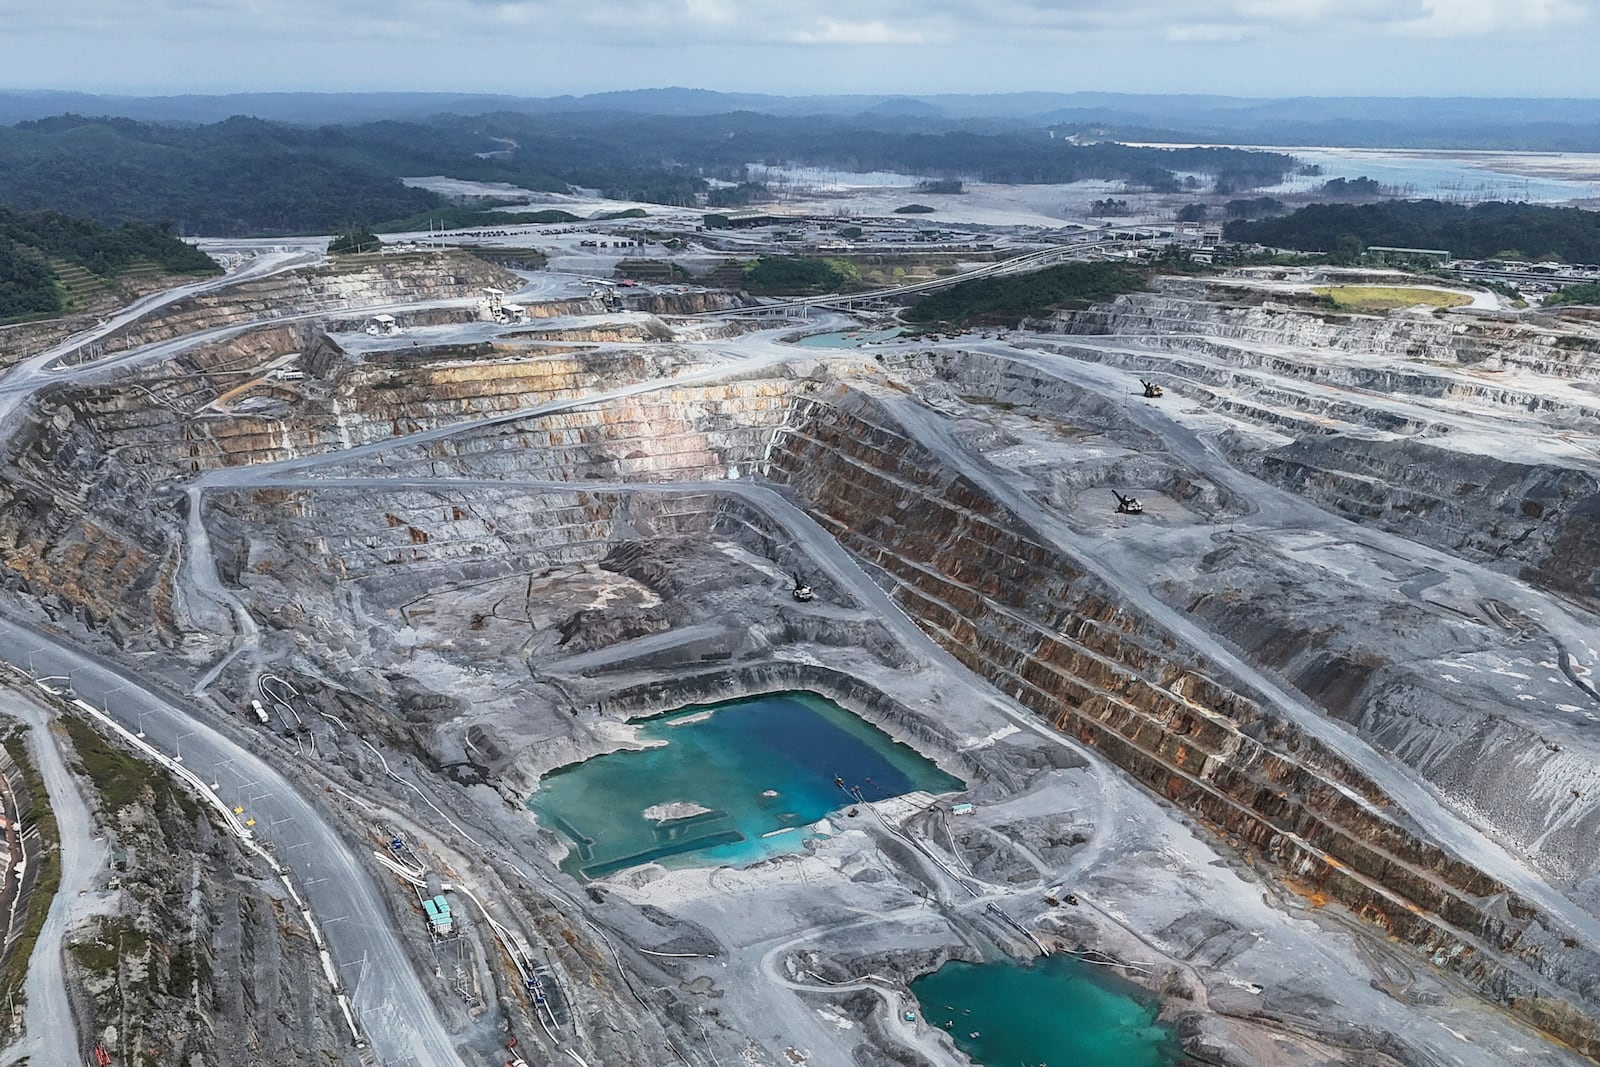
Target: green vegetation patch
pixel 47 871
pixel 914 209
pixel 1015 297
pixel 471 216
pixel 1585 293
pixel 800 275
pixel 354 239
pixel 111 939
pixel 119 778
pixel 546 215
pixel 49 261
pixel 626 213
pixel 1388 297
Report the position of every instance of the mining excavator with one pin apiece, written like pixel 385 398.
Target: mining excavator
pixel 1151 389
pixel 802 591
pixel 1127 505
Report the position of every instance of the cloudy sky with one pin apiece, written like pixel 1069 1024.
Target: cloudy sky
pixel 540 47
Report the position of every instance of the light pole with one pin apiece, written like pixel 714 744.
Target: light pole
pixel 179 744
pixel 31 654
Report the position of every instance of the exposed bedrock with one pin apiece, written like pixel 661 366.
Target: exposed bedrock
pixel 1201 310
pixel 396 278
pixel 80 524
pixel 1541 520
pixel 1387 440
pixel 1465 690
pixel 1039 626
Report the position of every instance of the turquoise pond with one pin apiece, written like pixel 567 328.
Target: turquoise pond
pixel 848 338
pixel 1055 1012
pixel 763 769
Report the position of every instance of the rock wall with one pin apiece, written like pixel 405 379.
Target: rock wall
pixel 403 278
pixel 1410 476
pixel 1541 517
pixel 1187 309
pixel 1045 631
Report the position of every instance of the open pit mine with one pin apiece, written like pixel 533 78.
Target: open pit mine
pixel 622 682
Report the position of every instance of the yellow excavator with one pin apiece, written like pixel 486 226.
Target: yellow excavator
pixel 1151 389
pixel 1127 505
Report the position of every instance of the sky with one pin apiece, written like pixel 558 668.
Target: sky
pixel 548 47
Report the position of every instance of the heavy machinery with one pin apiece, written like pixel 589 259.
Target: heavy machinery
pixel 1127 505
pixel 802 591
pixel 1151 389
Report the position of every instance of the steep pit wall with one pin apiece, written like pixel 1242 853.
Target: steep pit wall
pixel 404 541
pixel 1178 307
pixel 1543 518
pixel 80 523
pixel 1041 628
pixel 399 279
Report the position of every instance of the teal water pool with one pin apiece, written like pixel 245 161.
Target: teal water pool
pixel 726 783
pixel 1055 1012
pixel 848 338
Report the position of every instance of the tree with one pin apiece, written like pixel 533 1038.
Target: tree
pixel 1192 213
pixel 1346 250
pixel 26 286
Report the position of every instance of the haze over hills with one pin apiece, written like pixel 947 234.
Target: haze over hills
pixel 1535 124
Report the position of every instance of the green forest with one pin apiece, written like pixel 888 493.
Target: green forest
pixel 1010 299
pixel 1584 293
pixel 35 247
pixel 798 275
pixel 1496 230
pixel 245 176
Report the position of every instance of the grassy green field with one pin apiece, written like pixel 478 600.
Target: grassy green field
pixel 1387 297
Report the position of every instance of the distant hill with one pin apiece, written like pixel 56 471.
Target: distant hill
pixel 1443 122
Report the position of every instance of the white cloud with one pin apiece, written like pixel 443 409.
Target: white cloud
pixel 873 22
pixel 837 31
pixel 1208 31
pixel 1482 18
pixel 1281 46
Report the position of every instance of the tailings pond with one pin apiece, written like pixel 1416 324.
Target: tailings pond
pixel 848 338
pixel 725 784
pixel 1055 1012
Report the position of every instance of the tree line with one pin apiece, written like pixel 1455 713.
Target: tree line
pixel 244 176
pixel 1495 230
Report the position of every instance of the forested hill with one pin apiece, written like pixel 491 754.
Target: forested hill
pixel 41 252
pixel 245 176
pixel 1483 231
